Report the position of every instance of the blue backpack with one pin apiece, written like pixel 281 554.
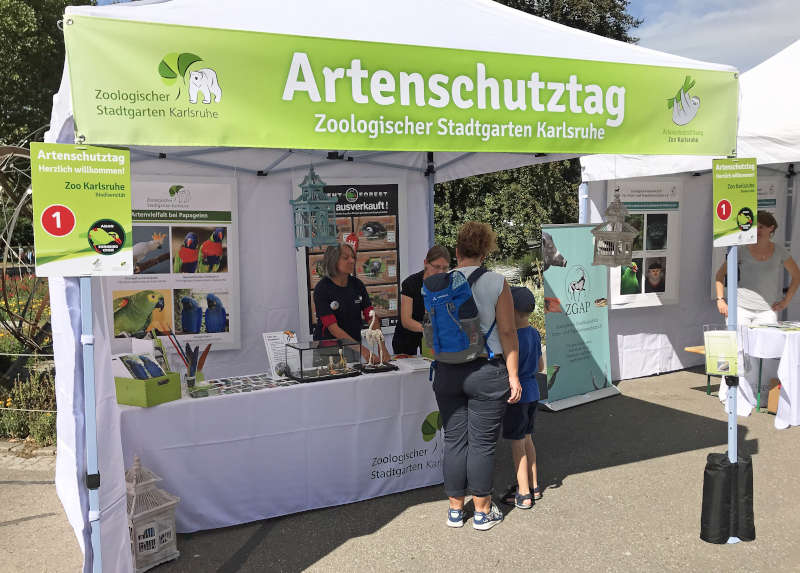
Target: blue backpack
pixel 451 325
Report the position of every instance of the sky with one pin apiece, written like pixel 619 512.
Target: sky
pixel 742 33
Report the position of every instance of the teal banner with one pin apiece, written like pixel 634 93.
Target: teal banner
pixel 576 313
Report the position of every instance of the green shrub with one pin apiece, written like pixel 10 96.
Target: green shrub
pixel 43 428
pixel 14 424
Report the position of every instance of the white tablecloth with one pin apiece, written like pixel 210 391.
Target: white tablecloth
pixel 244 457
pixel 769 343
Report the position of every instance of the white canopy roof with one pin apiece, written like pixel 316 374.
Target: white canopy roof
pixel 769 126
pixel 480 25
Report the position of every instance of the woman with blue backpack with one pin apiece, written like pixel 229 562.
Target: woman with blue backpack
pixel 476 370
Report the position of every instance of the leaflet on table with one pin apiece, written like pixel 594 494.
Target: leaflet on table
pixel 185 259
pixel 721 352
pixel 276 353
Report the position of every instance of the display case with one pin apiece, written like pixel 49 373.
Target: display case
pixel 322 360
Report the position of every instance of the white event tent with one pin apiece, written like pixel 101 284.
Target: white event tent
pixel 264 179
pixel 651 340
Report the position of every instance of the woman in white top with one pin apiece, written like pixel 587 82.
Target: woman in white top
pixel 759 292
pixel 760 298
pixel 472 397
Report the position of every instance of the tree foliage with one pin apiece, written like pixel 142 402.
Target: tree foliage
pixel 517 202
pixel 32 56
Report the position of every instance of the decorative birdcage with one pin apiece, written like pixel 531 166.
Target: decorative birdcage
pixel 314 214
pixel 151 519
pixel 613 239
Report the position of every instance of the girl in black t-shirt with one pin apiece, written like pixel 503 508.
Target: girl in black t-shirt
pixel 407 337
pixel 341 300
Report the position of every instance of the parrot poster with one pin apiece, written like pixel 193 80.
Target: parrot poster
pixel 216 316
pixel 211 252
pixel 629 281
pixel 191 315
pixel 186 259
pixel 134 313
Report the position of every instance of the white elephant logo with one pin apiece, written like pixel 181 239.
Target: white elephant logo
pixel 204 81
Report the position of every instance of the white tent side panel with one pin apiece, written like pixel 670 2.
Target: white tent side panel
pixel 651 340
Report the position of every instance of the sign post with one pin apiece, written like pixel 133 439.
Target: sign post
pixel 82 227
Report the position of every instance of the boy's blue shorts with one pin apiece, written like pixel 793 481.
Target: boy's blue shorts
pixel 519 419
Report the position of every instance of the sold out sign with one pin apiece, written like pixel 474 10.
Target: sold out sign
pixel 724 209
pixel 58 220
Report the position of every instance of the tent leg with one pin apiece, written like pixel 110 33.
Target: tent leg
pixel 430 174
pixel 733 438
pixel 583 203
pixel 90 415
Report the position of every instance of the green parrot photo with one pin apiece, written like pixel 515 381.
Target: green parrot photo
pixel 133 313
pixel 629 283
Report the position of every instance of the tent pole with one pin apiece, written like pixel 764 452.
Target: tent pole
pixel 90 415
pixel 733 280
pixel 583 203
pixel 430 174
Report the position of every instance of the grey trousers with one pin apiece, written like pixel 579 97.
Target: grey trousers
pixel 472 399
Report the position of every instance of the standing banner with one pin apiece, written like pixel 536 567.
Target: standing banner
pixel 81 210
pixel 735 201
pixel 368 219
pixel 185 262
pixel 185 85
pixel 576 318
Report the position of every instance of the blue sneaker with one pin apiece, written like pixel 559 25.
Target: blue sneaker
pixel 455 518
pixel 483 521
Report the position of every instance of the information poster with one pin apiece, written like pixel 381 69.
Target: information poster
pixel 185 262
pixel 735 201
pixel 651 278
pixel 367 219
pixel 576 313
pixel 81 210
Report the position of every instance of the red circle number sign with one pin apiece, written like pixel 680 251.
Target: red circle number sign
pixel 724 209
pixel 58 220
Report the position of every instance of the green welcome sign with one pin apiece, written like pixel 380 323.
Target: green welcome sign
pixel 81 210
pixel 735 201
pixel 185 85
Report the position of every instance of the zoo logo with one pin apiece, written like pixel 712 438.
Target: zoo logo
pixel 577 284
pixel 431 425
pixel 351 195
pixel 684 106
pixel 201 81
pixel 181 194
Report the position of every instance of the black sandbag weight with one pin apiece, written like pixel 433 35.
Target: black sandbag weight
pixel 727 509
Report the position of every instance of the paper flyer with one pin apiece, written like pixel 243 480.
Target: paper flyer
pixel 275 343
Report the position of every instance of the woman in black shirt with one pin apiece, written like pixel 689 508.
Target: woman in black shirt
pixel 340 299
pixel 407 337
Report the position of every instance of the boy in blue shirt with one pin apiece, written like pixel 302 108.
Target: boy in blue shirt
pixel 519 417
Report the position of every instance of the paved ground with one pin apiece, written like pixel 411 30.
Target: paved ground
pixel 624 479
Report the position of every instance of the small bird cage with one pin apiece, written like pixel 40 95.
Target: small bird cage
pixel 314 214
pixel 613 239
pixel 151 519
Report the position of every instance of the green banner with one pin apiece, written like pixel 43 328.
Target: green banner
pixel 137 83
pixel 735 201
pixel 81 210
pixel 576 313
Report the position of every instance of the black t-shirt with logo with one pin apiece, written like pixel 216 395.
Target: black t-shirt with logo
pixel 406 341
pixel 346 303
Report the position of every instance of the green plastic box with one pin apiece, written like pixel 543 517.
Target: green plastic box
pixel 150 392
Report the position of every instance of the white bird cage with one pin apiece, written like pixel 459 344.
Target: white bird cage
pixel 151 519
pixel 613 239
